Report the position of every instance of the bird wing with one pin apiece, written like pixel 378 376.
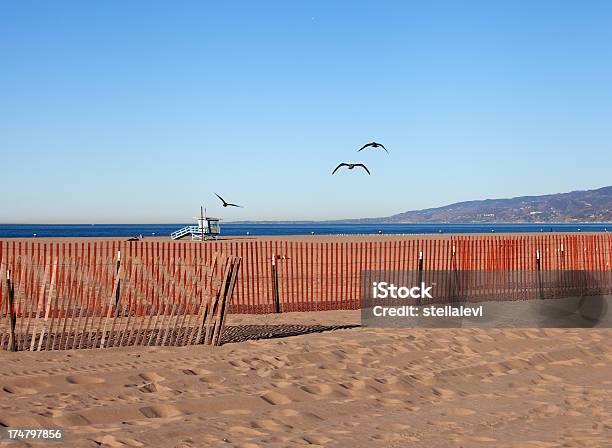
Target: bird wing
pixel 222 200
pixel 364 167
pixel 383 147
pixel 234 205
pixel 364 146
pixel 339 166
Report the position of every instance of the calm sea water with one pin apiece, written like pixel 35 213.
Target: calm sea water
pixel 124 230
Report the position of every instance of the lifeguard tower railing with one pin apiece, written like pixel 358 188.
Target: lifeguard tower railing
pixel 188 230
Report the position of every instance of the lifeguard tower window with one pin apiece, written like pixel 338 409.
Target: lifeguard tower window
pixel 213 226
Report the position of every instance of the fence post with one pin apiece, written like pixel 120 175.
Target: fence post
pixel 118 293
pixel 275 285
pixel 455 275
pixel 12 342
pixel 419 300
pixel 539 264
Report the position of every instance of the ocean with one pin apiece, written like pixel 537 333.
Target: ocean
pixel 127 230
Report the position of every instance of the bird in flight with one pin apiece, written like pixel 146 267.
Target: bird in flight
pixel 373 145
pixel 227 204
pixel 350 166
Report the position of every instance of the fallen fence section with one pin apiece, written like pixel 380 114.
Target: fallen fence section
pixel 60 299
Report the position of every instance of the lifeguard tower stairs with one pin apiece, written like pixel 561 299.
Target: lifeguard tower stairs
pixel 207 228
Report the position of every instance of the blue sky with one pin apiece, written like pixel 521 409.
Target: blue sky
pixel 137 111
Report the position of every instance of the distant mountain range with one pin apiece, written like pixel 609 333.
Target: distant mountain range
pixel 576 206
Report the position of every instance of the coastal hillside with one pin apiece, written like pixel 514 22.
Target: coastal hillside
pixel 576 206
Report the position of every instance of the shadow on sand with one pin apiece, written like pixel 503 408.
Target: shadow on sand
pixel 241 333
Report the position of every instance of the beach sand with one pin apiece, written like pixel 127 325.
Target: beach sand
pixel 305 238
pixel 328 385
pixel 318 379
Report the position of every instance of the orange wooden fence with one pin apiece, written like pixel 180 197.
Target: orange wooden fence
pixel 59 296
pixel 326 275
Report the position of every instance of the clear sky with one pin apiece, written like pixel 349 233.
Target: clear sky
pixel 127 111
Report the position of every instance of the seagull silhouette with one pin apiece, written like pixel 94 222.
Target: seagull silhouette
pixel 373 145
pixel 350 166
pixel 227 204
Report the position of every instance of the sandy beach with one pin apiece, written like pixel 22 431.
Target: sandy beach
pixel 320 379
pixel 328 385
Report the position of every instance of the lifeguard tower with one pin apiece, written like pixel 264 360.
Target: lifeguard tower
pixel 207 228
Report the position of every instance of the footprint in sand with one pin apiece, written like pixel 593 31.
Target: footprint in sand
pixel 393 427
pixel 286 413
pixel 297 416
pixel 83 379
pixel 113 442
pixel 459 412
pixel 484 439
pixel 552 378
pixel 197 371
pixel 442 393
pixel 276 398
pixel 240 365
pixel 264 372
pixel 271 425
pixel 152 388
pixel 279 375
pixel 318 389
pixel 316 439
pixel 213 380
pixel 355 385
pixel 244 430
pixel 550 410
pixel 72 420
pixel 152 377
pixel 19 390
pixel 160 411
pixel 236 412
pixel 386 401
pixel 19 421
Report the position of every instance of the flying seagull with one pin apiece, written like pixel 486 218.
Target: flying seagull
pixel 350 166
pixel 373 145
pixel 227 204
